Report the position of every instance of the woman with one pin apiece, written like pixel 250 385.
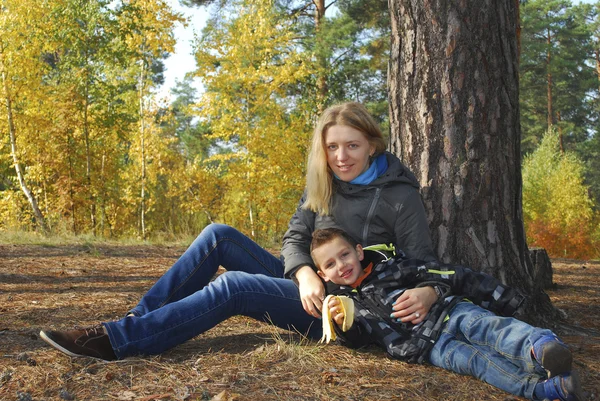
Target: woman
pixel 351 183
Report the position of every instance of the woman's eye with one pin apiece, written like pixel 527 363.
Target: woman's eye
pixel 331 147
pixel 353 146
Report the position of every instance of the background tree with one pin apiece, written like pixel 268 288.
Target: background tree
pixel 589 150
pixel 21 71
pixel 558 210
pixel 147 26
pixel 250 67
pixel 455 120
pixel 191 133
pixel 555 78
pixel 86 35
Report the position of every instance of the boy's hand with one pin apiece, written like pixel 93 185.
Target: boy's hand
pixel 339 309
pixel 414 304
pixel 335 308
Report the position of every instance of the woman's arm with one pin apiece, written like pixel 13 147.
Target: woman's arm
pixel 299 266
pixel 295 249
pixel 312 290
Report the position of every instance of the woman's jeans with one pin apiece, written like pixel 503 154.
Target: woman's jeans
pixel 184 302
pixel 494 349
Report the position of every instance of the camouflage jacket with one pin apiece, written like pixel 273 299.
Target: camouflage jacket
pixel 374 298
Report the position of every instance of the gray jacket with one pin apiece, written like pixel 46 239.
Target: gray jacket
pixel 389 210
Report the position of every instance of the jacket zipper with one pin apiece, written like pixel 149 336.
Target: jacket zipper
pixel 370 215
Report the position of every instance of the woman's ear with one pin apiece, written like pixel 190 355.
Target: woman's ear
pixel 360 252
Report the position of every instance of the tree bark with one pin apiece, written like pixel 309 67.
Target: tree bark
pixel 454 114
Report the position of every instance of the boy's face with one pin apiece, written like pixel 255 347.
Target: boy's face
pixel 338 261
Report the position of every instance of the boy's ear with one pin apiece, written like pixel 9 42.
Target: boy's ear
pixel 360 252
pixel 323 276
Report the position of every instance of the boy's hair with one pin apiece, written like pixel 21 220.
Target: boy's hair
pixel 326 235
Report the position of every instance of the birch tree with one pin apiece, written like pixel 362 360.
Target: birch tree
pixel 21 70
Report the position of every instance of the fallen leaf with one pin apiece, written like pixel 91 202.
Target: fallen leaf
pixel 225 395
pixel 126 396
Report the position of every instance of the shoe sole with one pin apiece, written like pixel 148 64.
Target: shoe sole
pixel 556 360
pixel 54 344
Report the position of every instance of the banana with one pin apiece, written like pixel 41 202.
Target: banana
pixel 347 306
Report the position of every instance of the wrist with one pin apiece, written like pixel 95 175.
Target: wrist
pixel 438 291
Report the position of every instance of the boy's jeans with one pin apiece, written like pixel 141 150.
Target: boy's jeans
pixel 494 349
pixel 184 302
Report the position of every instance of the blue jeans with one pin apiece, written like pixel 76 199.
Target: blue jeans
pixel 494 349
pixel 184 302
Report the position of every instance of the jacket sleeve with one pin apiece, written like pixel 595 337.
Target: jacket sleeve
pixel 356 337
pixel 412 230
pixel 295 249
pixel 480 288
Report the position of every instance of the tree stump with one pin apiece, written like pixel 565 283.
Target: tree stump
pixel 542 267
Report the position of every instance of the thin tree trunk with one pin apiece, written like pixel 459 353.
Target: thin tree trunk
pixel 143 150
pixel 39 218
pixel 88 157
pixel 549 80
pixel 322 62
pixel 518 28
pixel 71 190
pixel 598 63
pixel 248 119
pixel 454 114
pixel 103 216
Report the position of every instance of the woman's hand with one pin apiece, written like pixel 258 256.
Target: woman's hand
pixel 414 304
pixel 336 311
pixel 312 291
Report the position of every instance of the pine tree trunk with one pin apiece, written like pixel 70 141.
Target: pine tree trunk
pixel 321 61
pixel 454 113
pixel 549 80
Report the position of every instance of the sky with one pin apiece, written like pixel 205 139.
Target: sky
pixel 182 60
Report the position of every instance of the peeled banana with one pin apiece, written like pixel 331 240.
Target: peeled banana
pixel 347 306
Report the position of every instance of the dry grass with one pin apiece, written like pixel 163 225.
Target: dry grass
pixel 60 286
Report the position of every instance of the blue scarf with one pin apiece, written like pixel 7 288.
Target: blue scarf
pixel 377 168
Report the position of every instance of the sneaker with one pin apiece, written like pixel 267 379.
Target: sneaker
pixel 554 355
pixel 563 388
pixel 91 341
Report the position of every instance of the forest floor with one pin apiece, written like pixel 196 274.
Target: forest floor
pixel 58 287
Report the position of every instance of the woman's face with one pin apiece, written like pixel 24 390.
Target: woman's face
pixel 348 151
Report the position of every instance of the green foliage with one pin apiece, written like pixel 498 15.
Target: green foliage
pixel 90 134
pixel 555 48
pixel 248 63
pixel 558 211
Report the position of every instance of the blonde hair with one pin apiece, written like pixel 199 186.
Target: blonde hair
pixel 319 178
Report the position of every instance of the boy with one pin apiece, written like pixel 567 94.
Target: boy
pixel 456 334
